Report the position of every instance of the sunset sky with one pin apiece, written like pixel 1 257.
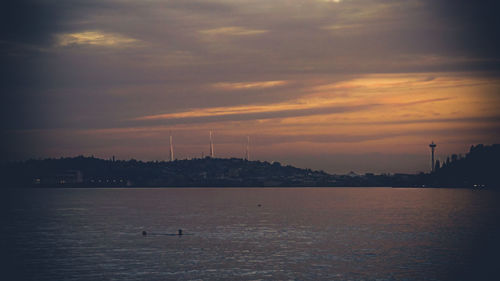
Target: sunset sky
pixel 336 85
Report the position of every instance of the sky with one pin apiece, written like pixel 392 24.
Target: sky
pixel 333 85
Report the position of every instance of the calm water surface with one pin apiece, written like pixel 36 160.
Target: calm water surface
pixel 295 234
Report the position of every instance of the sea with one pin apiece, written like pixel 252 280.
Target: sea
pixel 250 234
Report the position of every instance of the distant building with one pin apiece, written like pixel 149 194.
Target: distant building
pixel 66 177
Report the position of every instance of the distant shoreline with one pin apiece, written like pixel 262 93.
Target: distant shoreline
pixel 477 169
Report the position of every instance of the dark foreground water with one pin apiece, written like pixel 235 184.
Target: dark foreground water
pixel 295 234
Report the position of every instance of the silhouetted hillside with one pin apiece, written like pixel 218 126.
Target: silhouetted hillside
pixel 479 168
pixel 89 171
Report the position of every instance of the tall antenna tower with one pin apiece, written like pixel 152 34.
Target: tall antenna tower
pixel 432 146
pixel 212 153
pixel 171 149
pixel 247 149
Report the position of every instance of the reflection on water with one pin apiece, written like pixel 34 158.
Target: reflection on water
pixel 295 234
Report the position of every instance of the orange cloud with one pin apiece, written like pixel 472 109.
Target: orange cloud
pixel 408 95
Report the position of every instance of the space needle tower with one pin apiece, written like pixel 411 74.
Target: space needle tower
pixel 432 146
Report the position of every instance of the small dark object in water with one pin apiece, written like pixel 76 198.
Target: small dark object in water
pixel 180 232
pixel 259 205
pixel 144 233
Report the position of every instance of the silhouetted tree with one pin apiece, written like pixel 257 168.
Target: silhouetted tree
pixel 477 168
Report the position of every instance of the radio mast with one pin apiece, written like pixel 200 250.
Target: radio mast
pixel 171 149
pixel 247 150
pixel 212 153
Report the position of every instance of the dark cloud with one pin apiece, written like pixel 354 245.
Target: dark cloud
pixel 475 23
pixel 200 6
pixel 27 22
pixel 24 32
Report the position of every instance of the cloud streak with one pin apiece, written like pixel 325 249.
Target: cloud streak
pixel 232 31
pixel 248 85
pixel 316 104
pixel 94 38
